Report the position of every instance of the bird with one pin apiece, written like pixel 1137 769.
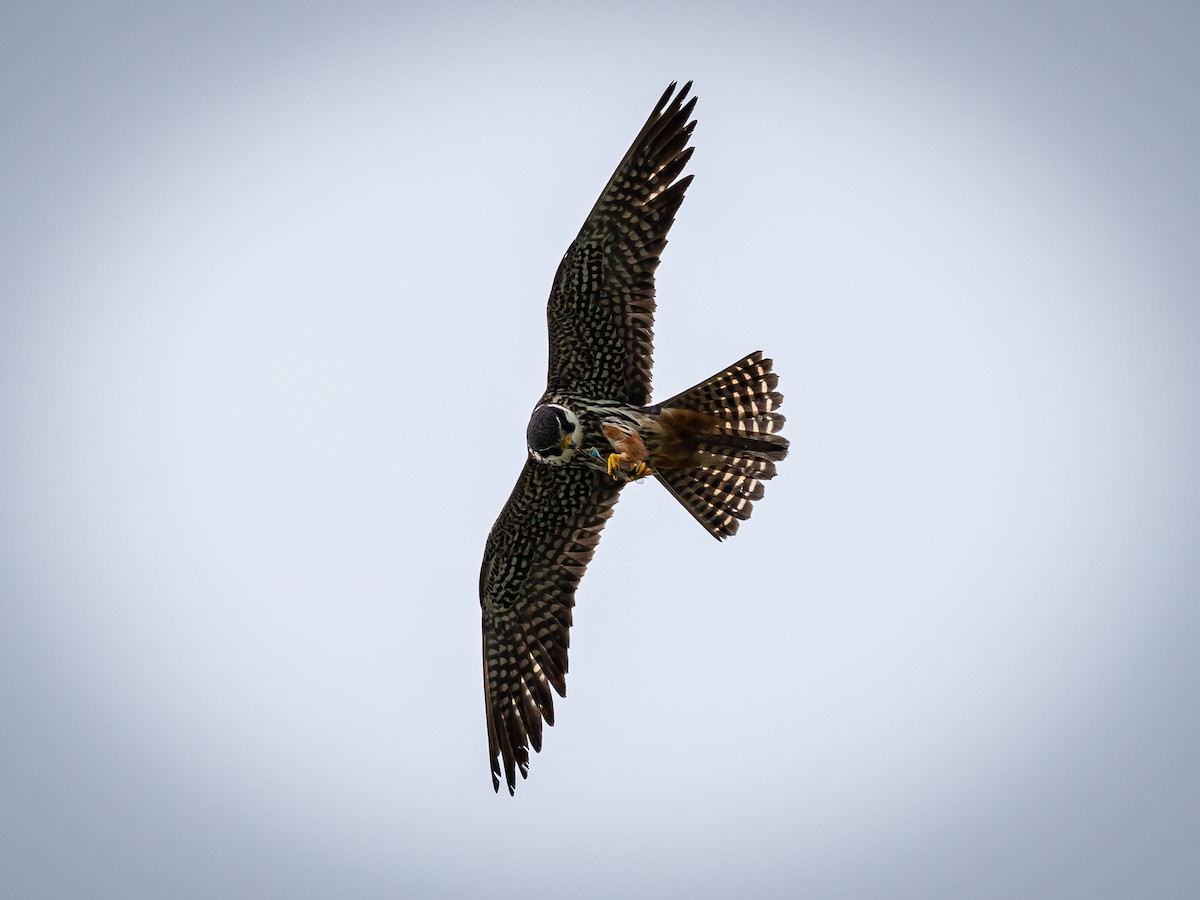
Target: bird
pixel 594 431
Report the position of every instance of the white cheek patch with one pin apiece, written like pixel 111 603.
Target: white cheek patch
pixel 576 441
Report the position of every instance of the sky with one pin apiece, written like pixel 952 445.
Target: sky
pixel 272 322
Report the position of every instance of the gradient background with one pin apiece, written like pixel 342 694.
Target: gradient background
pixel 273 281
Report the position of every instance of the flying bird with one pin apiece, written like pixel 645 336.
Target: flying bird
pixel 594 430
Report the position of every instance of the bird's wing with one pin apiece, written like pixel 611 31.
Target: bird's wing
pixel 535 555
pixel 601 308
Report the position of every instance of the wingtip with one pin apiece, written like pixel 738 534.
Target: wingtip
pixel 665 98
pixel 670 96
pixel 510 783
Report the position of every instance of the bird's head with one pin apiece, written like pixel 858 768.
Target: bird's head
pixel 553 434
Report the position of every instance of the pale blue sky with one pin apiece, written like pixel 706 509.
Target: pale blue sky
pixel 272 322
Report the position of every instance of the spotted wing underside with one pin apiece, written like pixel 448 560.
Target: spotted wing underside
pixel 535 556
pixel 601 308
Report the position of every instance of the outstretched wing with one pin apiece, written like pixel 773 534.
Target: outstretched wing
pixel 535 555
pixel 601 308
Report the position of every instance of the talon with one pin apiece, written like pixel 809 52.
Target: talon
pixel 614 464
pixel 641 471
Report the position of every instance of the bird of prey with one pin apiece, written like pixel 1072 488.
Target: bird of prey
pixel 594 430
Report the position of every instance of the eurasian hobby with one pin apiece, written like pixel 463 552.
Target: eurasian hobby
pixel 594 430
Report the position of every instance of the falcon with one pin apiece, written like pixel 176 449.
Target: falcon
pixel 595 430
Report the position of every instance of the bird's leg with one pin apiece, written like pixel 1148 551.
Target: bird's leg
pixel 630 451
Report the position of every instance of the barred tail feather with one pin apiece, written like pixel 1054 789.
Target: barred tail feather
pixel 733 460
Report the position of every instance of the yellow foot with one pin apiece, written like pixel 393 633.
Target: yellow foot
pixel 641 470
pixel 614 465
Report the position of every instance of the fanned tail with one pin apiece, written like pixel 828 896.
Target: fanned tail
pixel 733 445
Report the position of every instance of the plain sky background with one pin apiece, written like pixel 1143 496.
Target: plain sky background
pixel 272 294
